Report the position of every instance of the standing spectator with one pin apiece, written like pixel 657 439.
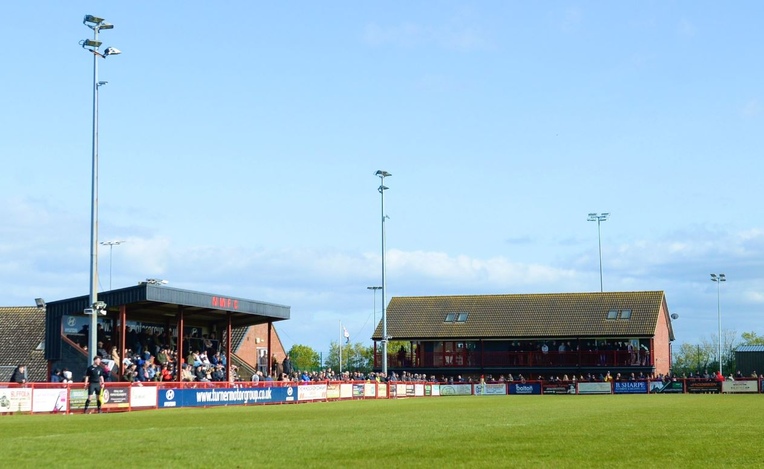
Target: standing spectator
pixel 287 366
pixel 19 375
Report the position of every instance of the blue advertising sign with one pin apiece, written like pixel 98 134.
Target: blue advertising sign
pixel 631 387
pixel 525 388
pixel 225 396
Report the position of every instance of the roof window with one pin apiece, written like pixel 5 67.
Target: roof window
pixel 625 314
pixel 461 317
pixel 450 317
pixel 612 314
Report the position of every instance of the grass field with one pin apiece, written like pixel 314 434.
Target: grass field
pixel 499 431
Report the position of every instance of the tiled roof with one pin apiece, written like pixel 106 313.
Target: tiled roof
pixel 524 315
pixel 23 330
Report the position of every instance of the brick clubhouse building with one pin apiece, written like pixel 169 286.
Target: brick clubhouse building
pixel 529 334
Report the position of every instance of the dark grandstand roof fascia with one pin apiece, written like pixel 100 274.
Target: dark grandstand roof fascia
pixel 525 316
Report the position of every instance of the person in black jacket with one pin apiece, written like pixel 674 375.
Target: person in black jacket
pixel 19 375
pixel 94 382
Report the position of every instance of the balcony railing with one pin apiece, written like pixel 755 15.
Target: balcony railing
pixel 476 359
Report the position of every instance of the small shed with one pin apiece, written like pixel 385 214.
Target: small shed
pixel 750 358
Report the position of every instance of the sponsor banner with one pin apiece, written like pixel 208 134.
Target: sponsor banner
pixel 333 391
pixel 490 390
pixel 740 386
pixel 115 398
pixel 525 388
pixel 312 392
pixel 143 396
pixel 49 400
pixel 77 397
pixel 558 388
pixel 432 390
pixel 703 387
pixel 15 399
pixel 346 390
pixel 382 390
pixel 410 390
pixel 369 390
pixel 594 388
pixel 398 390
pixel 455 389
pixel 668 387
pixel 225 396
pixel 357 391
pixel 631 387
pixel 419 390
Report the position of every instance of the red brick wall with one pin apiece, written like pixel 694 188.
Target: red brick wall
pixel 661 343
pixel 257 336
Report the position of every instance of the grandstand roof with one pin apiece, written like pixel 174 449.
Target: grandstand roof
pixel 608 314
pixel 750 348
pixel 23 331
pixel 151 302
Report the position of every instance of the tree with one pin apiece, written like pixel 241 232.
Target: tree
pixel 704 356
pixel 304 358
pixel 751 338
pixel 355 357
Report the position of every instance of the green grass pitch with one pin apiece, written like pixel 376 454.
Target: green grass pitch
pixel 485 431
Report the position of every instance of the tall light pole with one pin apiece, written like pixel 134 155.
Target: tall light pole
pixel 111 245
pixel 374 311
pixel 599 218
pixel 719 279
pixel 96 307
pixel 382 175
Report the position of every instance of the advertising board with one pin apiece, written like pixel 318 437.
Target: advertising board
pixel 490 389
pixel 630 387
pixel 704 387
pixel 525 388
pixel 740 386
pixel 49 400
pixel 15 399
pixel 594 388
pixel 226 396
pixel 455 389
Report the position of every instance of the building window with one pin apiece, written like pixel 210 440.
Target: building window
pixel 450 317
pixel 625 314
pixel 461 317
pixel 612 314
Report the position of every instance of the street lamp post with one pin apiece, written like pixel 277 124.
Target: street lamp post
pixel 719 278
pixel 96 307
pixel 599 218
pixel 111 245
pixel 374 311
pixel 382 175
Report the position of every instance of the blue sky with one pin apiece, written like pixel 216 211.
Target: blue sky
pixel 238 146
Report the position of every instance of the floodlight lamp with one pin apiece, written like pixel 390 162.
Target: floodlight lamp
pixel 382 174
pixel 100 84
pixel 105 25
pixel 91 43
pixel 93 19
pixel 40 303
pixel 111 51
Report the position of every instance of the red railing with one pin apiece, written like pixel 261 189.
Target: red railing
pixel 551 359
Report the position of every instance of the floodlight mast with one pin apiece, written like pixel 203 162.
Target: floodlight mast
pixel 382 175
pixel 719 278
pixel 599 218
pixel 96 307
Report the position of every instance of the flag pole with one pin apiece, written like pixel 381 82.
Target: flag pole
pixel 339 344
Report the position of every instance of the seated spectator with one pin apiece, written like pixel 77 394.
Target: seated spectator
pixel 101 351
pixel 185 373
pixel 200 373
pixel 218 374
pixel 131 373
